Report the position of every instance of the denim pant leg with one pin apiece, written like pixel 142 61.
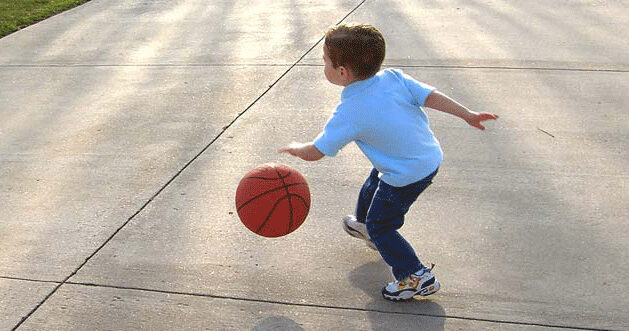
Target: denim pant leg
pixel 366 195
pixel 386 216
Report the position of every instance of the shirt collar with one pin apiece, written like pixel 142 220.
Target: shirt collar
pixel 357 87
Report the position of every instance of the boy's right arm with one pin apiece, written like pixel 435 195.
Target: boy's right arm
pixel 306 152
pixel 439 101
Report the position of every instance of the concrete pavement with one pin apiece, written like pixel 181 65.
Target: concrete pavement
pixel 126 126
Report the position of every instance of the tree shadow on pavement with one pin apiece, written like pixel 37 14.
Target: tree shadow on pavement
pixel 416 314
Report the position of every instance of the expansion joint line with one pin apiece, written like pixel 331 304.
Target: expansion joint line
pixel 225 128
pixel 343 308
pixel 311 305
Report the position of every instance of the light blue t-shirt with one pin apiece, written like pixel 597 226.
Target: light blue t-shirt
pixel 384 116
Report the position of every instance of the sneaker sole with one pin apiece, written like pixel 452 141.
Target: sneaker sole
pixel 359 235
pixel 430 289
pixel 407 295
pixel 352 232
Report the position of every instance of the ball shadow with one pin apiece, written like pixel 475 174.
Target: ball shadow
pixel 277 323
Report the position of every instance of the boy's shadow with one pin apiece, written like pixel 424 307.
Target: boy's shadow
pixel 417 314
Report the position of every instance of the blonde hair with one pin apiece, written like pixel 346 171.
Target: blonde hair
pixel 358 47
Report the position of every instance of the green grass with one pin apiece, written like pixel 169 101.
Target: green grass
pixel 18 14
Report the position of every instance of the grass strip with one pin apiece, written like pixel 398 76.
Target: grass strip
pixel 18 14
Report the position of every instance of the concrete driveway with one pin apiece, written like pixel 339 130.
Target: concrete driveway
pixel 125 127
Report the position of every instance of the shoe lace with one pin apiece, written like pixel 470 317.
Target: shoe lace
pixel 432 266
pixel 413 278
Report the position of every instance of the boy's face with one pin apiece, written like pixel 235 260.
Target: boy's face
pixel 337 76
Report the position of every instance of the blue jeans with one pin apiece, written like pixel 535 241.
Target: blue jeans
pixel 382 207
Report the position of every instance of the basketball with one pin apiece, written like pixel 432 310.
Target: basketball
pixel 273 200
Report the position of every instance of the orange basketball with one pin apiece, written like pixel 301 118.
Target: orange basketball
pixel 273 200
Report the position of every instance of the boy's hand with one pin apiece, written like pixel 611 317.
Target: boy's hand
pixel 306 152
pixel 475 119
pixel 439 101
pixel 290 149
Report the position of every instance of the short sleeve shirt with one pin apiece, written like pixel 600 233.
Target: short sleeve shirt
pixel 384 116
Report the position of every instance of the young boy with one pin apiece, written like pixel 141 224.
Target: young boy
pixel 382 112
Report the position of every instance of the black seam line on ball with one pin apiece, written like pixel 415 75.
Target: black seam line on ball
pixel 303 201
pixel 288 195
pixel 266 178
pixel 268 216
pixel 266 192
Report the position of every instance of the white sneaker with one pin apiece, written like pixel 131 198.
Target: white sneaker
pixel 357 230
pixel 405 289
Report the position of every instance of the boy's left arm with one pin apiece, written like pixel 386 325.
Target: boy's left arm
pixel 439 101
pixel 306 152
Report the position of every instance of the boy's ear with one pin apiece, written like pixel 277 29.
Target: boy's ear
pixel 346 74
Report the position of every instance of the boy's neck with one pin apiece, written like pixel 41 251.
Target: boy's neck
pixel 356 80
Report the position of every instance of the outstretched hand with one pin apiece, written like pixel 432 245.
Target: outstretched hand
pixel 306 152
pixel 476 118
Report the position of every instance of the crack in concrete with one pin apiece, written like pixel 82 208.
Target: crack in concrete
pixel 30 280
pixel 309 305
pixel 262 65
pixel 509 68
pixel 141 65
